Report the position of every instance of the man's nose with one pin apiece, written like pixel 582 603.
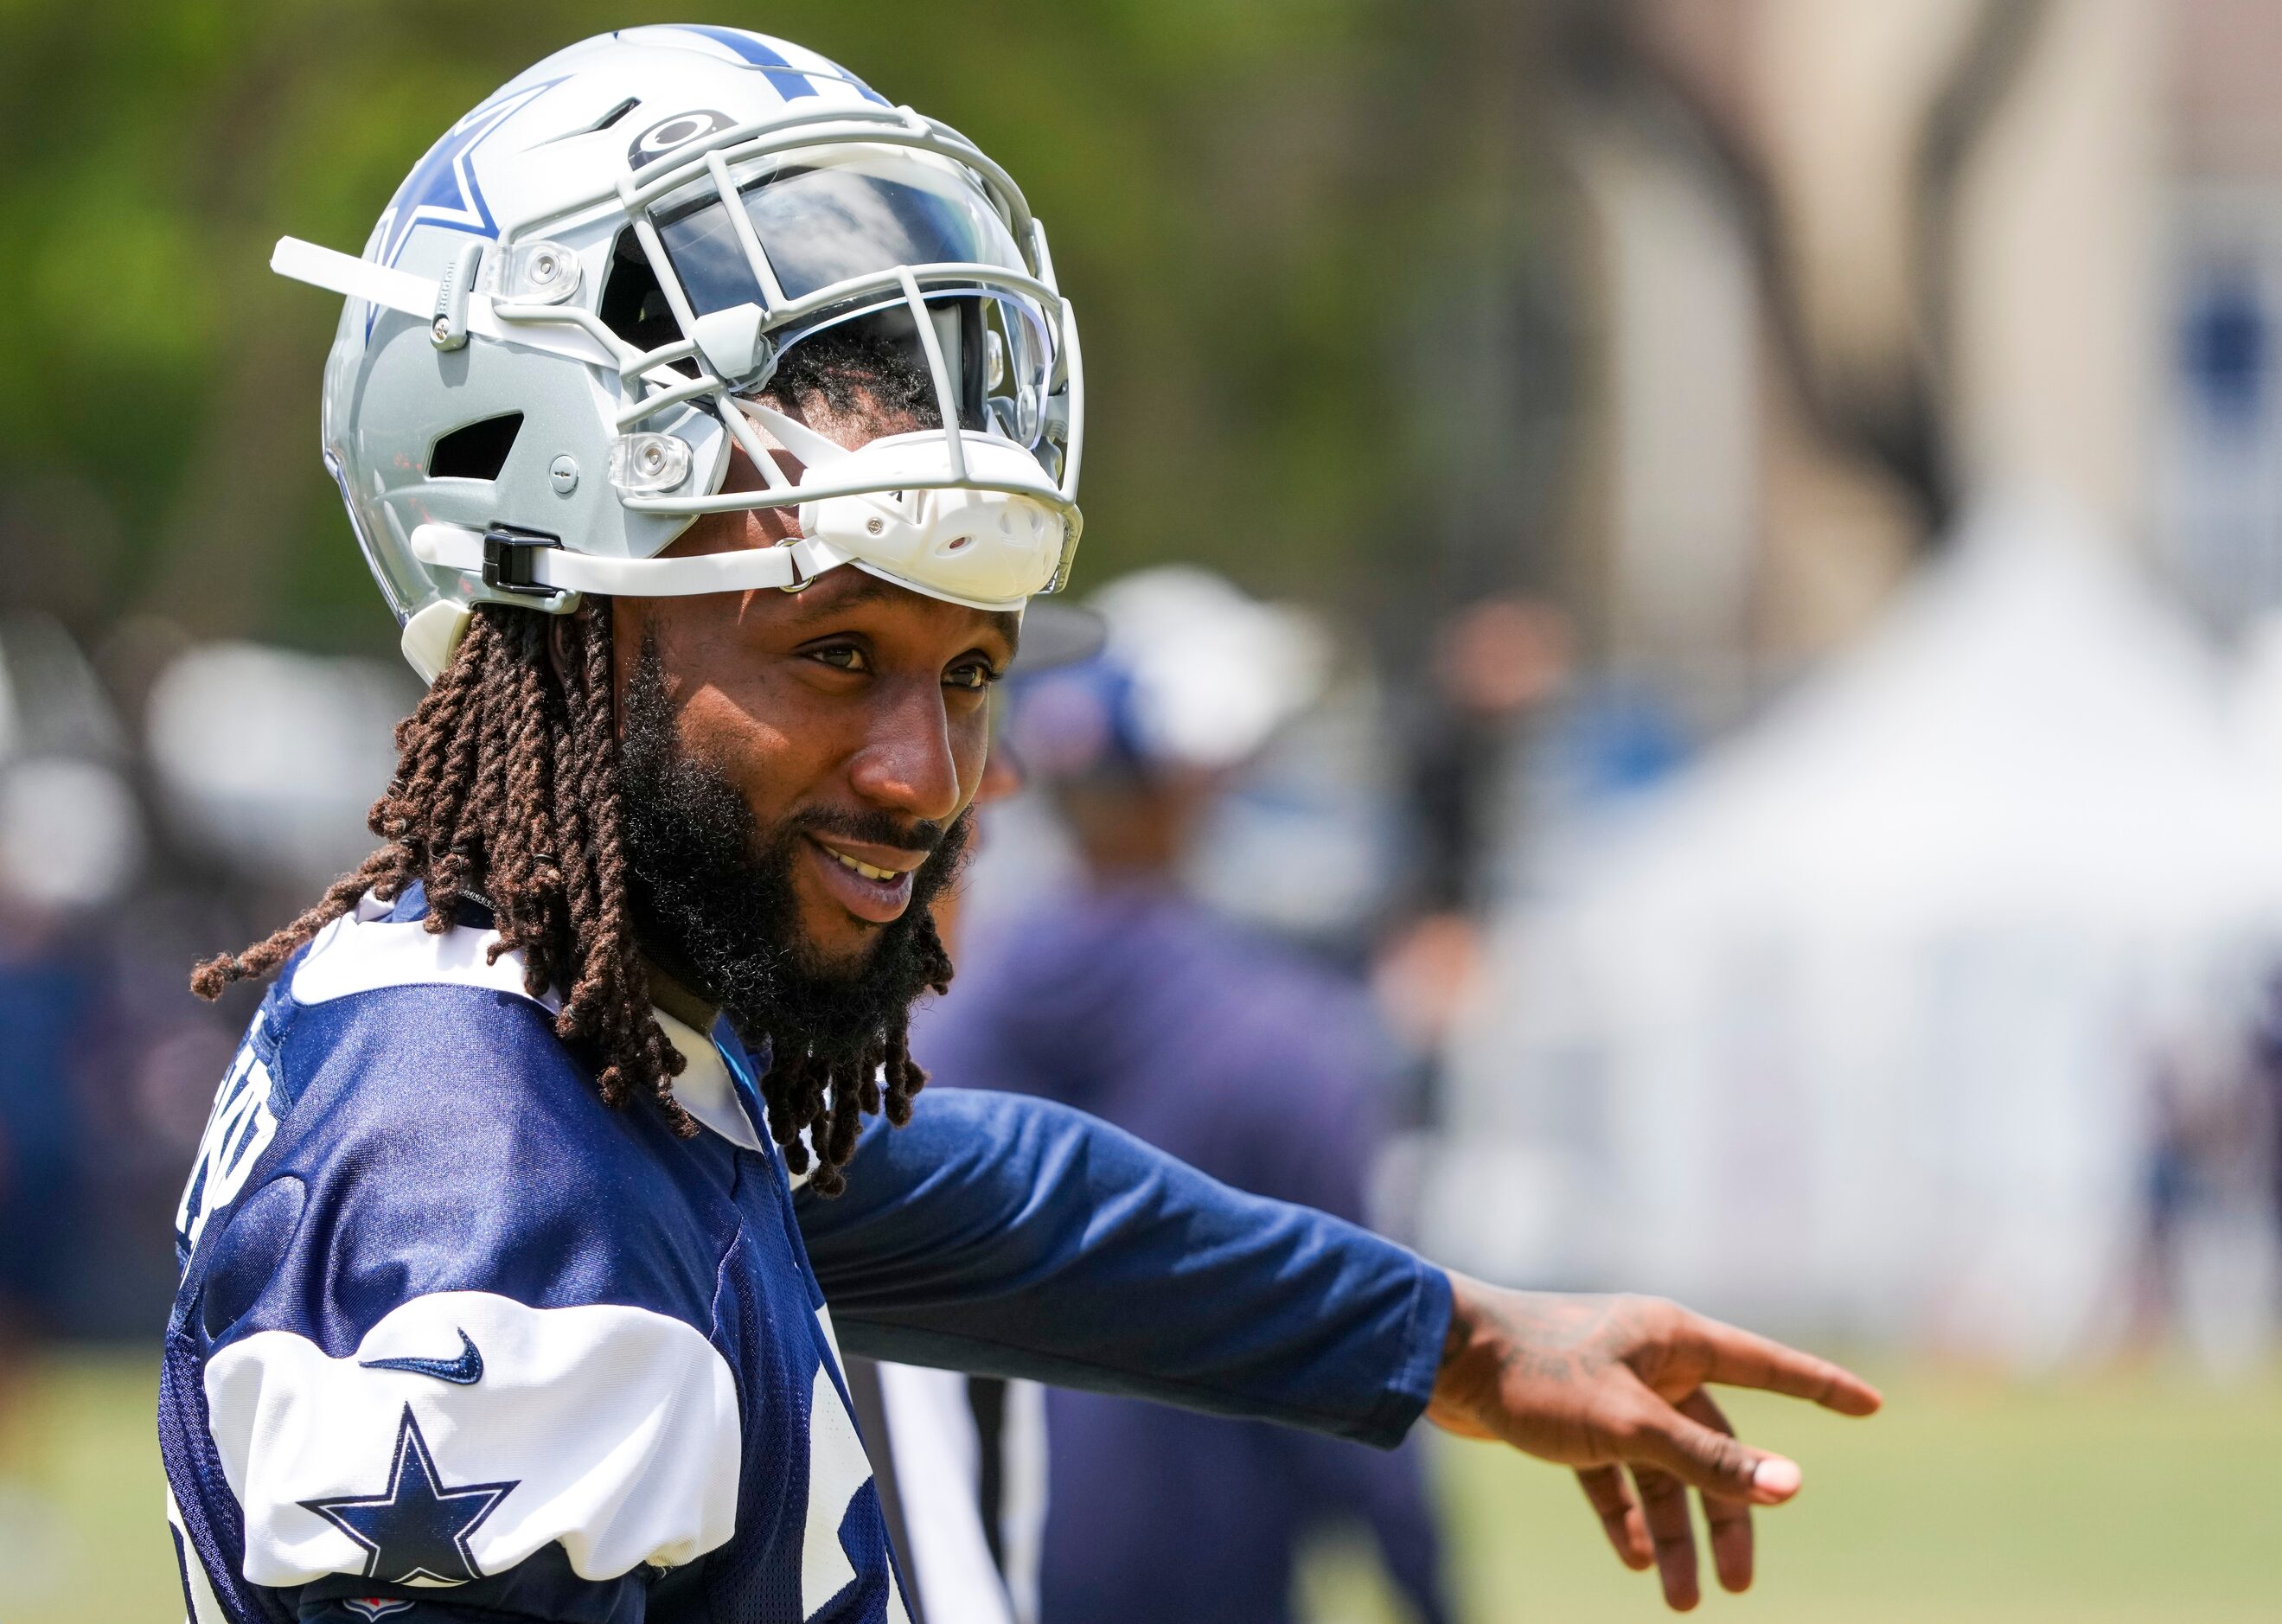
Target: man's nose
pixel 908 764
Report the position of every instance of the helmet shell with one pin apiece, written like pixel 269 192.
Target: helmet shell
pixel 540 160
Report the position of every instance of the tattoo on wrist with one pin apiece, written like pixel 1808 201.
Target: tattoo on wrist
pixel 1542 1335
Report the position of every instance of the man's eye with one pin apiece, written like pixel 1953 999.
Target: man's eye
pixel 843 657
pixel 972 675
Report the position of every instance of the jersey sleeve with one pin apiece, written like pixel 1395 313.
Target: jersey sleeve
pixel 1010 1236
pixel 445 1347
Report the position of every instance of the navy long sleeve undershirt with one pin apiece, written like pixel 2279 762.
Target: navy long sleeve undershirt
pixel 1007 1235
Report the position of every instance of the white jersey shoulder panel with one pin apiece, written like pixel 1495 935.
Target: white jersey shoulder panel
pixel 362 951
pixel 611 1430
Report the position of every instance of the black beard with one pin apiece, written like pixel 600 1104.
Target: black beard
pixel 714 906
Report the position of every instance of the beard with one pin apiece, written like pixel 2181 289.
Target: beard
pixel 713 903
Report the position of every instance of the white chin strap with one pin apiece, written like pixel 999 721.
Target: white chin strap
pixel 554 581
pixel 512 567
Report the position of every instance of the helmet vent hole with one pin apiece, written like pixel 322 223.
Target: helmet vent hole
pixel 476 450
pixel 614 115
pixel 958 544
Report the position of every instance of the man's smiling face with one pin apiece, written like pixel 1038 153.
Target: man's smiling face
pixel 850 718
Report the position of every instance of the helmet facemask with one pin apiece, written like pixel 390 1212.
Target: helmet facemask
pixel 755 242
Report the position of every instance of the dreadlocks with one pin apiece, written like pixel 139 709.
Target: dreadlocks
pixel 507 794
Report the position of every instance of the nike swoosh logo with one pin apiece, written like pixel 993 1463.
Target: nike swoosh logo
pixel 463 1372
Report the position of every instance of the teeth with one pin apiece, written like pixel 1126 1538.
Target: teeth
pixel 865 869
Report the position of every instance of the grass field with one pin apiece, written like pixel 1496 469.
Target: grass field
pixel 2140 1496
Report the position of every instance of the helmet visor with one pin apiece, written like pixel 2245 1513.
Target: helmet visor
pixel 998 346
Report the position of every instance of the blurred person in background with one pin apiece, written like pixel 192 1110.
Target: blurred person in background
pixel 2264 1105
pixel 70 839
pixel 1494 663
pixel 50 985
pixel 1128 998
pixel 70 842
pixel 2210 1192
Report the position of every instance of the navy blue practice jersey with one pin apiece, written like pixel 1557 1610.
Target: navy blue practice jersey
pixel 454 1339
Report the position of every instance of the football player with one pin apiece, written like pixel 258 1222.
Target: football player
pixel 706 421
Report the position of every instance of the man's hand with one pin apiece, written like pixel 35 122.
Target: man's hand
pixel 1607 1384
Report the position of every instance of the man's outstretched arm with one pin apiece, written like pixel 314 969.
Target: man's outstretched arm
pixel 1011 1236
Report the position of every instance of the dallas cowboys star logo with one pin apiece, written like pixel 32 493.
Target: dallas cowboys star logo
pixel 442 191
pixel 417 1531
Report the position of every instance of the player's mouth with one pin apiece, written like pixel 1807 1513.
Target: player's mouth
pixel 873 882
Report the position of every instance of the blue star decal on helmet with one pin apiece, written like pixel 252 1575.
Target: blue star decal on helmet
pixel 416 1532
pixel 442 191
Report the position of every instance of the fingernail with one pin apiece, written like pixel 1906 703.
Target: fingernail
pixel 1777 1477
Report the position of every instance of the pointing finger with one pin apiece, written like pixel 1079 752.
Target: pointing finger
pixel 1739 1358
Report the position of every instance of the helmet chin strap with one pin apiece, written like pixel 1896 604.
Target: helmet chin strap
pixel 517 570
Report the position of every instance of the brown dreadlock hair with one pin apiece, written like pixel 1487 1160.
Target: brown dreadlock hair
pixel 507 793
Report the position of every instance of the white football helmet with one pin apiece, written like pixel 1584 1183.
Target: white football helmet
pixel 559 328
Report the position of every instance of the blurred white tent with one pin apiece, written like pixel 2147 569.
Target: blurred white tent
pixel 1855 1028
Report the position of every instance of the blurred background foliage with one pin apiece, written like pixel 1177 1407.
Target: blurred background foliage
pixel 1277 220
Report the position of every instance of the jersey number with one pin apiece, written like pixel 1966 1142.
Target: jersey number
pixel 237 1134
